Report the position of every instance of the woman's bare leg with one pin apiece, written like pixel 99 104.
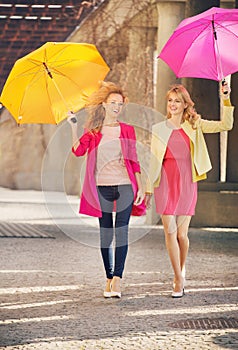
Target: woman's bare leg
pixel 183 241
pixel 173 248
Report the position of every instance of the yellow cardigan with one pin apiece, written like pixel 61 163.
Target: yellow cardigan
pixel 201 163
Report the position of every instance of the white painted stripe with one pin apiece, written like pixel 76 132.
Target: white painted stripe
pixel 44 271
pixel 185 311
pixel 25 306
pixel 23 290
pixel 35 319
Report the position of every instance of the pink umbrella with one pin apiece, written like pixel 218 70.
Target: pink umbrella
pixel 204 46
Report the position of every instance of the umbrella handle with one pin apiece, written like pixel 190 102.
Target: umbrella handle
pixel 72 117
pixel 224 83
pixel 73 120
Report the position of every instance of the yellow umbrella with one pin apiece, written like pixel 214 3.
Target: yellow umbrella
pixel 51 81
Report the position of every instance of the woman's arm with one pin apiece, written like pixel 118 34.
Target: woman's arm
pixel 79 146
pixel 226 122
pixel 74 130
pixel 213 126
pixel 133 158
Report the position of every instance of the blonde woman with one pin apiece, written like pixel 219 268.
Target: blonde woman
pixel 179 158
pixel 112 180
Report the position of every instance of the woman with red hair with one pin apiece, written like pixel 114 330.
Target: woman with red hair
pixel 112 180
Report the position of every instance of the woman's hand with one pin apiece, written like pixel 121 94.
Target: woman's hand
pixel 225 90
pixel 139 197
pixel 72 119
pixel 148 200
pixel 74 128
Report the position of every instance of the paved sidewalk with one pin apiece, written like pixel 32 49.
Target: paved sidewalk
pixel 51 288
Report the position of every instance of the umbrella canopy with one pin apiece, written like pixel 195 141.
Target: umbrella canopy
pixel 204 46
pixel 51 81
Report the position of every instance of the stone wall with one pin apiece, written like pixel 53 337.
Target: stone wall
pixel 36 156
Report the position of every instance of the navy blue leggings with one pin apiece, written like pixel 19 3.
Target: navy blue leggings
pixel 122 195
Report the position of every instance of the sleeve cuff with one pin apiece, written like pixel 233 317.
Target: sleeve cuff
pixel 227 102
pixel 136 168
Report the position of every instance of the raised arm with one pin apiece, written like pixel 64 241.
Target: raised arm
pixel 74 128
pixel 79 145
pixel 226 122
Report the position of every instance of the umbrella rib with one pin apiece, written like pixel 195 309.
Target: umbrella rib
pixel 226 29
pixel 67 77
pixel 26 89
pixel 62 63
pixel 27 72
pixel 47 91
pixel 30 84
pixel 58 89
pixel 69 61
pixel 62 50
pixel 56 54
pixel 197 36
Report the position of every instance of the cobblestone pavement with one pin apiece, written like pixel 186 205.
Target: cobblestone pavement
pixel 51 293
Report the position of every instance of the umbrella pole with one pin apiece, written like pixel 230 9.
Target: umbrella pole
pixel 223 134
pixel 218 53
pixel 56 86
pixel 62 97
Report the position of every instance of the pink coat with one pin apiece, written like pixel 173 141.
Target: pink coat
pixel 89 203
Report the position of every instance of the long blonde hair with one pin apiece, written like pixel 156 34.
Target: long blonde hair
pixel 189 113
pixel 94 106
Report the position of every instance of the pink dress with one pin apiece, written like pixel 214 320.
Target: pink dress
pixel 176 193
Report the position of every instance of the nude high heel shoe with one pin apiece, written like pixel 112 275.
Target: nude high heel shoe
pixel 116 294
pixel 179 294
pixel 106 293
